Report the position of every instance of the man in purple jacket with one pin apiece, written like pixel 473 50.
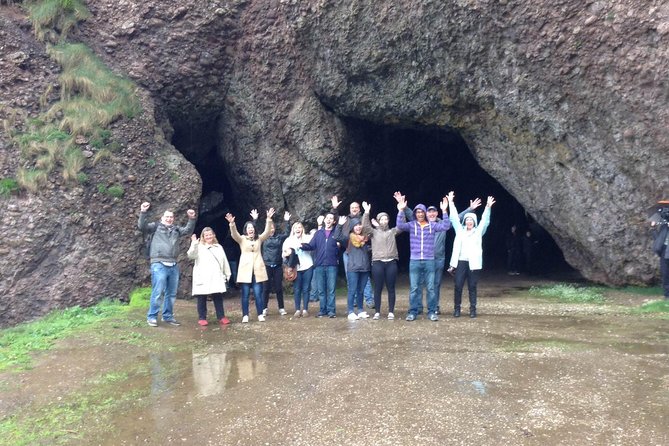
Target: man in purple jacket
pixel 421 263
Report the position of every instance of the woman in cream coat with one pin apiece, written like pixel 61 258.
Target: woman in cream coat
pixel 210 274
pixel 252 271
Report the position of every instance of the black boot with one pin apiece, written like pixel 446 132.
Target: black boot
pixel 472 312
pixel 456 312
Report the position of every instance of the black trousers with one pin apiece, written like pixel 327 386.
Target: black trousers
pixel 664 270
pixel 274 284
pixel 202 305
pixel 462 273
pixel 384 273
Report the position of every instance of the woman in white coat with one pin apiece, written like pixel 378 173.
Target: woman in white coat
pixel 210 274
pixel 467 256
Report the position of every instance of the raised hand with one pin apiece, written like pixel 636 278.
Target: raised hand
pixel 366 206
pixel 473 204
pixel 229 217
pixel 270 213
pixel 144 206
pixel 451 196
pixel 320 219
pixel 254 214
pixel 342 219
pixel 399 197
pixel 401 202
pixel 335 202
pixel 190 213
pixel 491 201
pixel 444 204
pixel 193 238
pixel 286 216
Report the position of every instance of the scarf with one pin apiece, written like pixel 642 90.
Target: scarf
pixel 356 240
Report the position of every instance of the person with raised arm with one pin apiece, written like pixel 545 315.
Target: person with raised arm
pixel 467 255
pixel 252 271
pixel 421 262
pixel 384 258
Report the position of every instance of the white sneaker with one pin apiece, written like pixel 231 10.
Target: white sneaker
pixel 298 313
pixel 264 312
pixel 377 316
pixel 363 315
pixel 282 312
pixel 305 313
pixel 352 317
pixel 391 317
pixel 261 318
pixel 245 319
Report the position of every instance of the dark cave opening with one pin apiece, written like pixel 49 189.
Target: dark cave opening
pixel 424 163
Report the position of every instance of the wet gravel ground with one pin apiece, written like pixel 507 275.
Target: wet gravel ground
pixel 525 372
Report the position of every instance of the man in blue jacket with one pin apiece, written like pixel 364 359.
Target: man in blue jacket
pixel 163 251
pixel 326 255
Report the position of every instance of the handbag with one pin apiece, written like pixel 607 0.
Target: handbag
pixel 289 273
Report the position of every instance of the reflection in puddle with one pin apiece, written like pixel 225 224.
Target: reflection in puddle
pixel 479 387
pixel 215 372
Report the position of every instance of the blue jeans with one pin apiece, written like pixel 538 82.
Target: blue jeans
pixel 313 291
pixel 164 284
pixel 233 273
pixel 438 273
pixel 421 275
pixel 301 288
pixel 356 284
pixel 369 295
pixel 257 292
pixel 326 278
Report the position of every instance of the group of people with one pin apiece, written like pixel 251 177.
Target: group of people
pixel 369 253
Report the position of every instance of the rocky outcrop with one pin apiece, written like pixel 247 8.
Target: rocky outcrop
pixel 563 103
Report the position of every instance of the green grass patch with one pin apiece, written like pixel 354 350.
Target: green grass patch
pixel 8 186
pixel 642 290
pixel 17 343
pixel 115 191
pixel 570 293
pixel 140 297
pixel 656 306
pixel 92 98
pixel 53 19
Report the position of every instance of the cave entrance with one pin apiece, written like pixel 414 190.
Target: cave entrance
pixel 422 162
pixel 425 164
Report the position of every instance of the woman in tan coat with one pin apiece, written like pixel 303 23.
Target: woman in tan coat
pixel 252 271
pixel 210 274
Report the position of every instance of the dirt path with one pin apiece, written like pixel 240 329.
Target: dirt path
pixel 526 371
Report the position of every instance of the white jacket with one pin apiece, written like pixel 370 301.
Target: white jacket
pixel 211 270
pixel 476 261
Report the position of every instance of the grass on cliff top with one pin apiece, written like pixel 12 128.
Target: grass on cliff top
pixel 17 343
pixel 92 97
pixel 53 19
pixel 570 293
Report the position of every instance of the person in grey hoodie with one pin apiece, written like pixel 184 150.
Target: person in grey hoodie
pixel 163 252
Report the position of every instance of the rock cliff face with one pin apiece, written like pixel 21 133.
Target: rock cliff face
pixel 564 103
